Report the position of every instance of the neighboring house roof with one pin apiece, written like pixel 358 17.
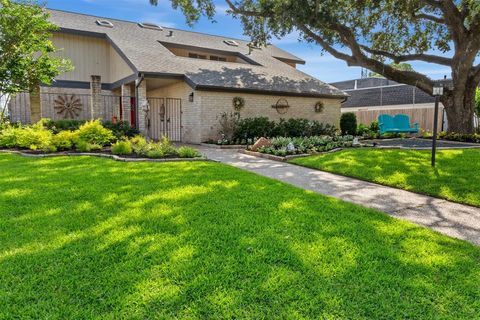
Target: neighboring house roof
pixel 370 92
pixel 143 50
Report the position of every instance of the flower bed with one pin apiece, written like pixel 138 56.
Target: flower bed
pixel 282 146
pixel 452 136
pixel 90 137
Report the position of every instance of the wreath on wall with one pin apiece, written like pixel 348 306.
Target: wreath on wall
pixel 319 106
pixel 238 103
pixel 67 105
pixel 281 106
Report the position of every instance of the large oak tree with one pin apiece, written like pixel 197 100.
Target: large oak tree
pixel 373 34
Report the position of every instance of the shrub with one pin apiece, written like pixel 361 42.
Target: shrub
pixel 251 128
pixel 121 129
pixel 187 152
pixel 122 147
pixel 94 133
pixel 161 149
pixel 348 123
pixel 35 137
pixel 228 124
pixel 9 137
pixel 64 140
pixel 140 146
pixel 282 146
pixel 62 125
pixel 84 146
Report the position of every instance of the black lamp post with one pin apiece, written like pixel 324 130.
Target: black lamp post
pixel 437 93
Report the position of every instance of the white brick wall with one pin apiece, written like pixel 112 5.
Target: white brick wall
pixel 200 117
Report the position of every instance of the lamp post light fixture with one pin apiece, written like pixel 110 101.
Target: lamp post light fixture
pixel 437 93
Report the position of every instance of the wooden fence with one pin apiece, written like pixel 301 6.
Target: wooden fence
pixel 424 116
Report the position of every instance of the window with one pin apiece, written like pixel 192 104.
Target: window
pixel 232 43
pixel 217 58
pixel 105 23
pixel 197 56
pixel 149 25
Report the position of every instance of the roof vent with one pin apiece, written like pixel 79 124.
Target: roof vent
pixel 105 23
pixel 232 43
pixel 170 33
pixel 149 25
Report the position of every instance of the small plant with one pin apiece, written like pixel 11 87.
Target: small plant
pixel 122 147
pixel 121 129
pixel 228 124
pixel 140 145
pixel 84 146
pixel 348 123
pixel 187 152
pixel 64 140
pixel 94 133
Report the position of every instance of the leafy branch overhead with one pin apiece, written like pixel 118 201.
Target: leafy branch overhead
pixel 377 35
pixel 27 56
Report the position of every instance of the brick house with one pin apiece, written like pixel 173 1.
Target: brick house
pixel 172 82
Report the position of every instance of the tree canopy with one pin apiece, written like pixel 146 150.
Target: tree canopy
pixel 373 35
pixel 26 50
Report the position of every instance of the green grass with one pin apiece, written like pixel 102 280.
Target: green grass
pixel 456 176
pixel 90 238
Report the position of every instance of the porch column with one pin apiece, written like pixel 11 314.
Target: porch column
pixel 95 97
pixel 126 102
pixel 35 105
pixel 143 107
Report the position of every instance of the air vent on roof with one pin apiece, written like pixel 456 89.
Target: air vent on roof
pixel 170 33
pixel 149 25
pixel 105 23
pixel 232 43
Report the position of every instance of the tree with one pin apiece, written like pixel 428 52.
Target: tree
pixel 477 108
pixel 398 66
pixel 372 34
pixel 26 51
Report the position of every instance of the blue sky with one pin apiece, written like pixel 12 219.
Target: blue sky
pixel 323 67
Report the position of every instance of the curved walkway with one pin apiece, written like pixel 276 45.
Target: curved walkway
pixel 456 220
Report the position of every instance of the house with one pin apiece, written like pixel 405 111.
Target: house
pixel 370 97
pixel 173 82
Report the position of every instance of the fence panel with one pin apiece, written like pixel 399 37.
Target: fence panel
pixel 424 116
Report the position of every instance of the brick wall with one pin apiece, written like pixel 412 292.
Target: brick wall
pixel 200 117
pixel 256 105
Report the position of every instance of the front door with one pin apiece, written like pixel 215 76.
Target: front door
pixel 165 118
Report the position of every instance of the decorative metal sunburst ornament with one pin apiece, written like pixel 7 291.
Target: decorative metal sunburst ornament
pixel 69 106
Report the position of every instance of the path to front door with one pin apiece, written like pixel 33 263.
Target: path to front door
pixel 456 220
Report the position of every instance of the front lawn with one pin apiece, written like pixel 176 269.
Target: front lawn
pixel 456 176
pixel 90 238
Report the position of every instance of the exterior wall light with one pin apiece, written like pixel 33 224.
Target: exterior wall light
pixel 190 97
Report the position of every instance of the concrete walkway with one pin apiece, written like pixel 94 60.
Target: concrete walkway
pixel 455 220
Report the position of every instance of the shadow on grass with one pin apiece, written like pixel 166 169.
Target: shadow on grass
pixel 94 238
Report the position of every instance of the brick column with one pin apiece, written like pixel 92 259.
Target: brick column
pixel 142 105
pixel 126 103
pixel 96 97
pixel 35 106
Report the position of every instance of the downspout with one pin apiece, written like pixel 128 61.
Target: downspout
pixel 138 82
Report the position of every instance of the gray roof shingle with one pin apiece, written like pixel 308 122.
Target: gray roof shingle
pixel 142 48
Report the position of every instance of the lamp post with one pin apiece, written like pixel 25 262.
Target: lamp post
pixel 437 93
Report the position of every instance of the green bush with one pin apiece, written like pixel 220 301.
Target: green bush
pixel 121 129
pixel 251 128
pixel 187 152
pixel 94 133
pixel 140 145
pixel 9 137
pixel 122 147
pixel 348 123
pixel 35 137
pixel 64 140
pixel 57 126
pixel 161 149
pixel 84 146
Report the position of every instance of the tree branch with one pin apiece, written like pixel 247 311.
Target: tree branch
pixel 429 17
pixel 410 57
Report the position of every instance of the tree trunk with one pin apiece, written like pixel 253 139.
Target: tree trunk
pixel 460 105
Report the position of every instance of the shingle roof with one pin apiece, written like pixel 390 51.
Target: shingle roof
pixel 144 51
pixel 372 92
